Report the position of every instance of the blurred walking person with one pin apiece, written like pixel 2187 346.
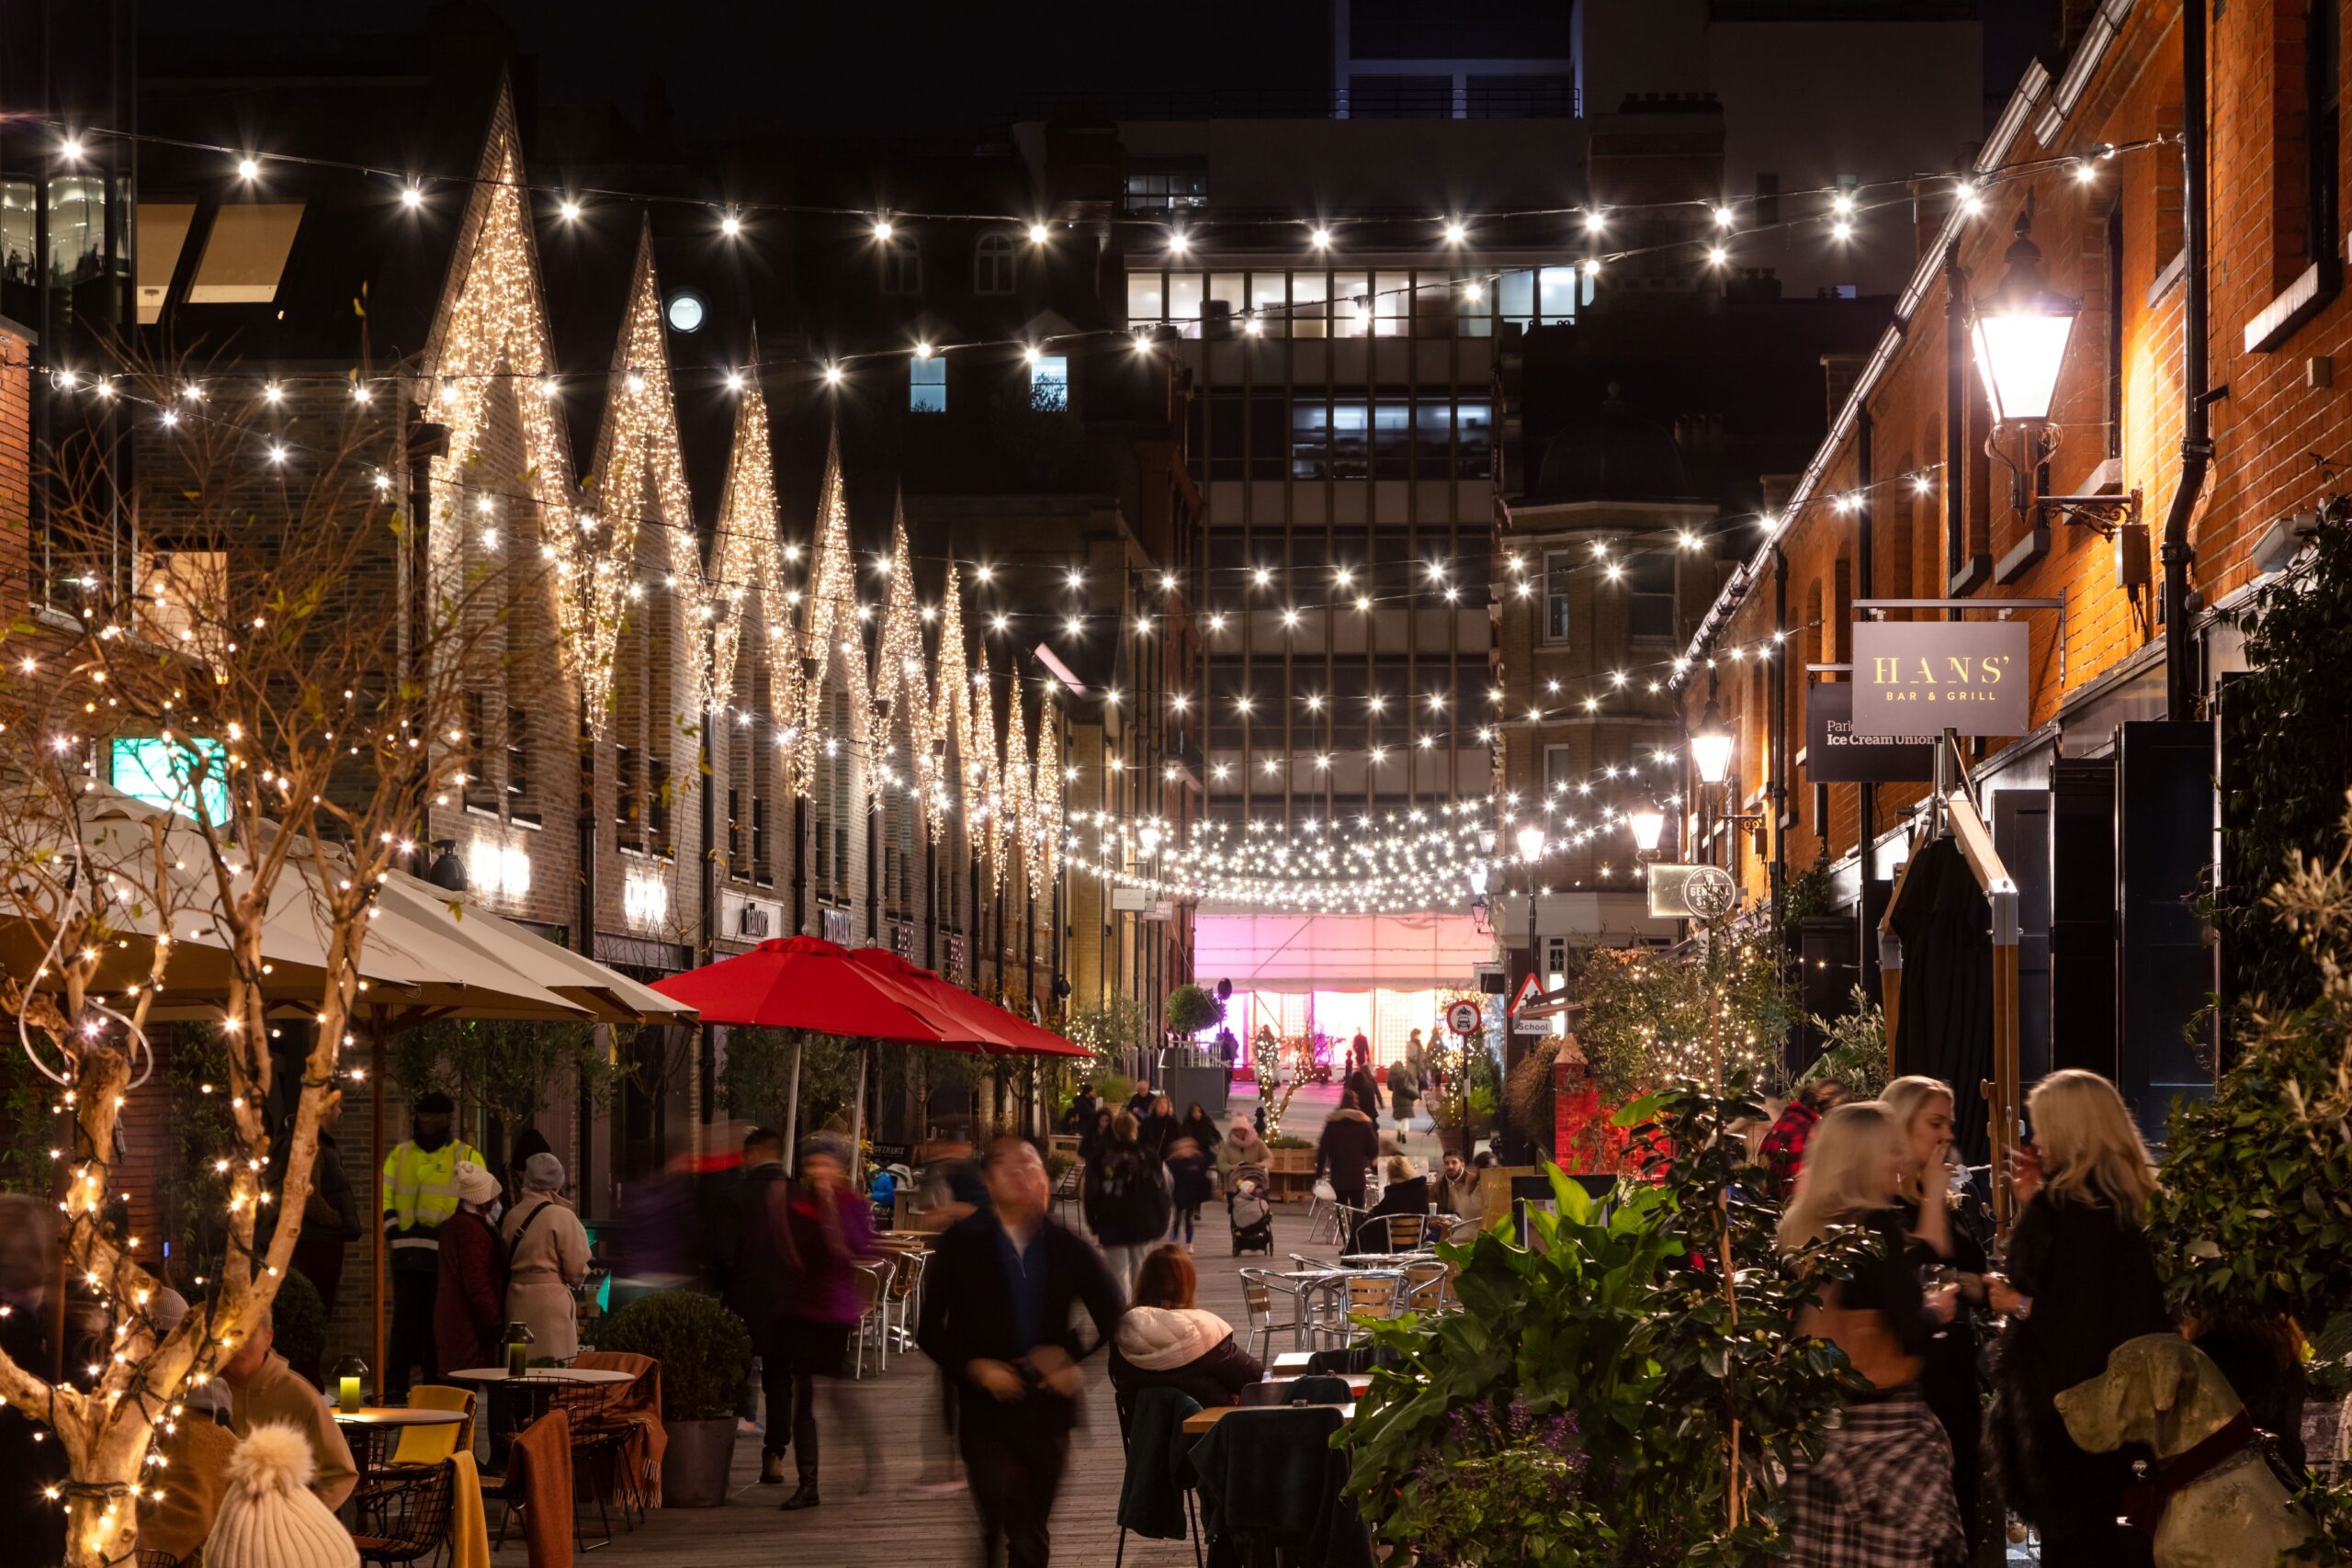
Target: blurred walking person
pixel 1125 1200
pixel 1881 1490
pixel 827 1229
pixel 757 1284
pixel 1345 1154
pixel 420 1192
pixel 996 1316
pixel 2081 1281
pixel 1782 1154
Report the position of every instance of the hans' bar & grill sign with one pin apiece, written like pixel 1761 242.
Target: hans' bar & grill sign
pixel 1919 677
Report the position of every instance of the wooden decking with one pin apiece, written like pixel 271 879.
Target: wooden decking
pixel 890 1525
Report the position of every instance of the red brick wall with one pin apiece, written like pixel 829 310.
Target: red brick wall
pixel 2264 431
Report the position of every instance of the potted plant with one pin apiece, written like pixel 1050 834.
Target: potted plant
pixel 704 1351
pixel 1191 1010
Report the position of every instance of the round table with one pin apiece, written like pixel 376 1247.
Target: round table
pixel 372 1429
pixel 513 1402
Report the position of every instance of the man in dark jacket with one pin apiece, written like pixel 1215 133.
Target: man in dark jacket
pixel 996 1316
pixel 1125 1198
pixel 1365 1090
pixel 1349 1146
pixel 1080 1119
pixel 760 1285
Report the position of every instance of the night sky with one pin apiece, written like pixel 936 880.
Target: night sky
pixel 920 68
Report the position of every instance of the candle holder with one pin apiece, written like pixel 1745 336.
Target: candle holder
pixel 350 1384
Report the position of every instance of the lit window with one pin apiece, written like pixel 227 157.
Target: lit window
pixel 1555 293
pixel 1048 383
pixel 1144 298
pixel 927 386
pixel 1184 302
pixel 245 253
pixel 992 265
pixel 184 600
pixel 162 233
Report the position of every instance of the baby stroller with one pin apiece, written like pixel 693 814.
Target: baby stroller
pixel 1251 1214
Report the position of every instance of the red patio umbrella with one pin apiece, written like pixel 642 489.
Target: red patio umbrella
pixel 805 981
pixel 1001 1029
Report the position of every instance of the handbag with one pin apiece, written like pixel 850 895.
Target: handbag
pixel 1325 1190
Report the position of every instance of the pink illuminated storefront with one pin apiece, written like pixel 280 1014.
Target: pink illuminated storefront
pixel 1334 975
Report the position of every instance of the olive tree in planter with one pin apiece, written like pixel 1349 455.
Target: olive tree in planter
pixel 1192 1009
pixel 705 1352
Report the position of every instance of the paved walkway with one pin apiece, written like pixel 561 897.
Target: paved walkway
pixel 890 1525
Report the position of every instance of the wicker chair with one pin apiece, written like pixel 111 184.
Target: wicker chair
pixel 407 1519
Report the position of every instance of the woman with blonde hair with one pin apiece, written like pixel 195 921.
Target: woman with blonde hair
pixel 1882 1490
pixel 1931 1200
pixel 2081 1281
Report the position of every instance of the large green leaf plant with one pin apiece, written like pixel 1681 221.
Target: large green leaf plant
pixel 1625 1384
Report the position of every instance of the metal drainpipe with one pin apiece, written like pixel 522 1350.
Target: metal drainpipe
pixel 1777 788
pixel 799 865
pixel 2196 439
pixel 1955 413
pixel 1866 794
pixel 706 938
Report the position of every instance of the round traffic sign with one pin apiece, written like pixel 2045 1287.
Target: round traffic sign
pixel 1463 1019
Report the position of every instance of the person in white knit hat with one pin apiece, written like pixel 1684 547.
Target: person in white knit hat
pixel 270 1519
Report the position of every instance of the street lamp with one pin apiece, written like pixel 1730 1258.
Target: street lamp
pixel 1531 843
pixel 1649 822
pixel 2021 334
pixel 1710 744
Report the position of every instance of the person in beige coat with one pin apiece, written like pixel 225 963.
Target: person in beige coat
pixel 547 1255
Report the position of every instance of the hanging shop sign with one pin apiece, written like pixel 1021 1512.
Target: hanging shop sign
pixel 1966 676
pixel 1834 753
pixel 1689 892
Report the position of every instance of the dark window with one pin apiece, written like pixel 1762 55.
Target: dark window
pixel 992 265
pixel 1559 577
pixel 759 838
pixel 2325 96
pixel 657 806
pixel 629 821
pixel 1166 184
pixel 1392 439
pixel 518 755
pixel 1649 595
pixel 1310 440
pixel 1351 442
pixel 481 792
pixel 901 268
pixel 1267 413
pixel 1434 440
pixel 1225 433
pixel 734 831
pixel 1473 431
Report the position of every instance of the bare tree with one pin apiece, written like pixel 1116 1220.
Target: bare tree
pixel 267 648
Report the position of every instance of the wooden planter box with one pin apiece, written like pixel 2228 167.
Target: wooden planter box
pixel 1291 1172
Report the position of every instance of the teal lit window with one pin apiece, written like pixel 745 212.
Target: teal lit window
pixel 177 775
pixel 1049 381
pixel 927 386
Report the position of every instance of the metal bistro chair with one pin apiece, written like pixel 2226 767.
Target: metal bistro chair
pixel 1426 1286
pixel 1258 1304
pixel 600 1443
pixel 409 1516
pixel 873 1316
pixel 899 1295
pixel 1408 1233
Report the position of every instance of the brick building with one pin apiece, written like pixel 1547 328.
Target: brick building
pixel 2105 805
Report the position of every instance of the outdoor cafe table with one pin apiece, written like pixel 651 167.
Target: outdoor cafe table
pixel 373 1429
pixel 516 1403
pixel 1200 1421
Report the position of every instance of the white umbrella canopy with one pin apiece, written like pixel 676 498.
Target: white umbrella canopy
pixel 416 961
pixel 609 996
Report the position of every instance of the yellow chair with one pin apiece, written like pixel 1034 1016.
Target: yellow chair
pixel 430 1445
